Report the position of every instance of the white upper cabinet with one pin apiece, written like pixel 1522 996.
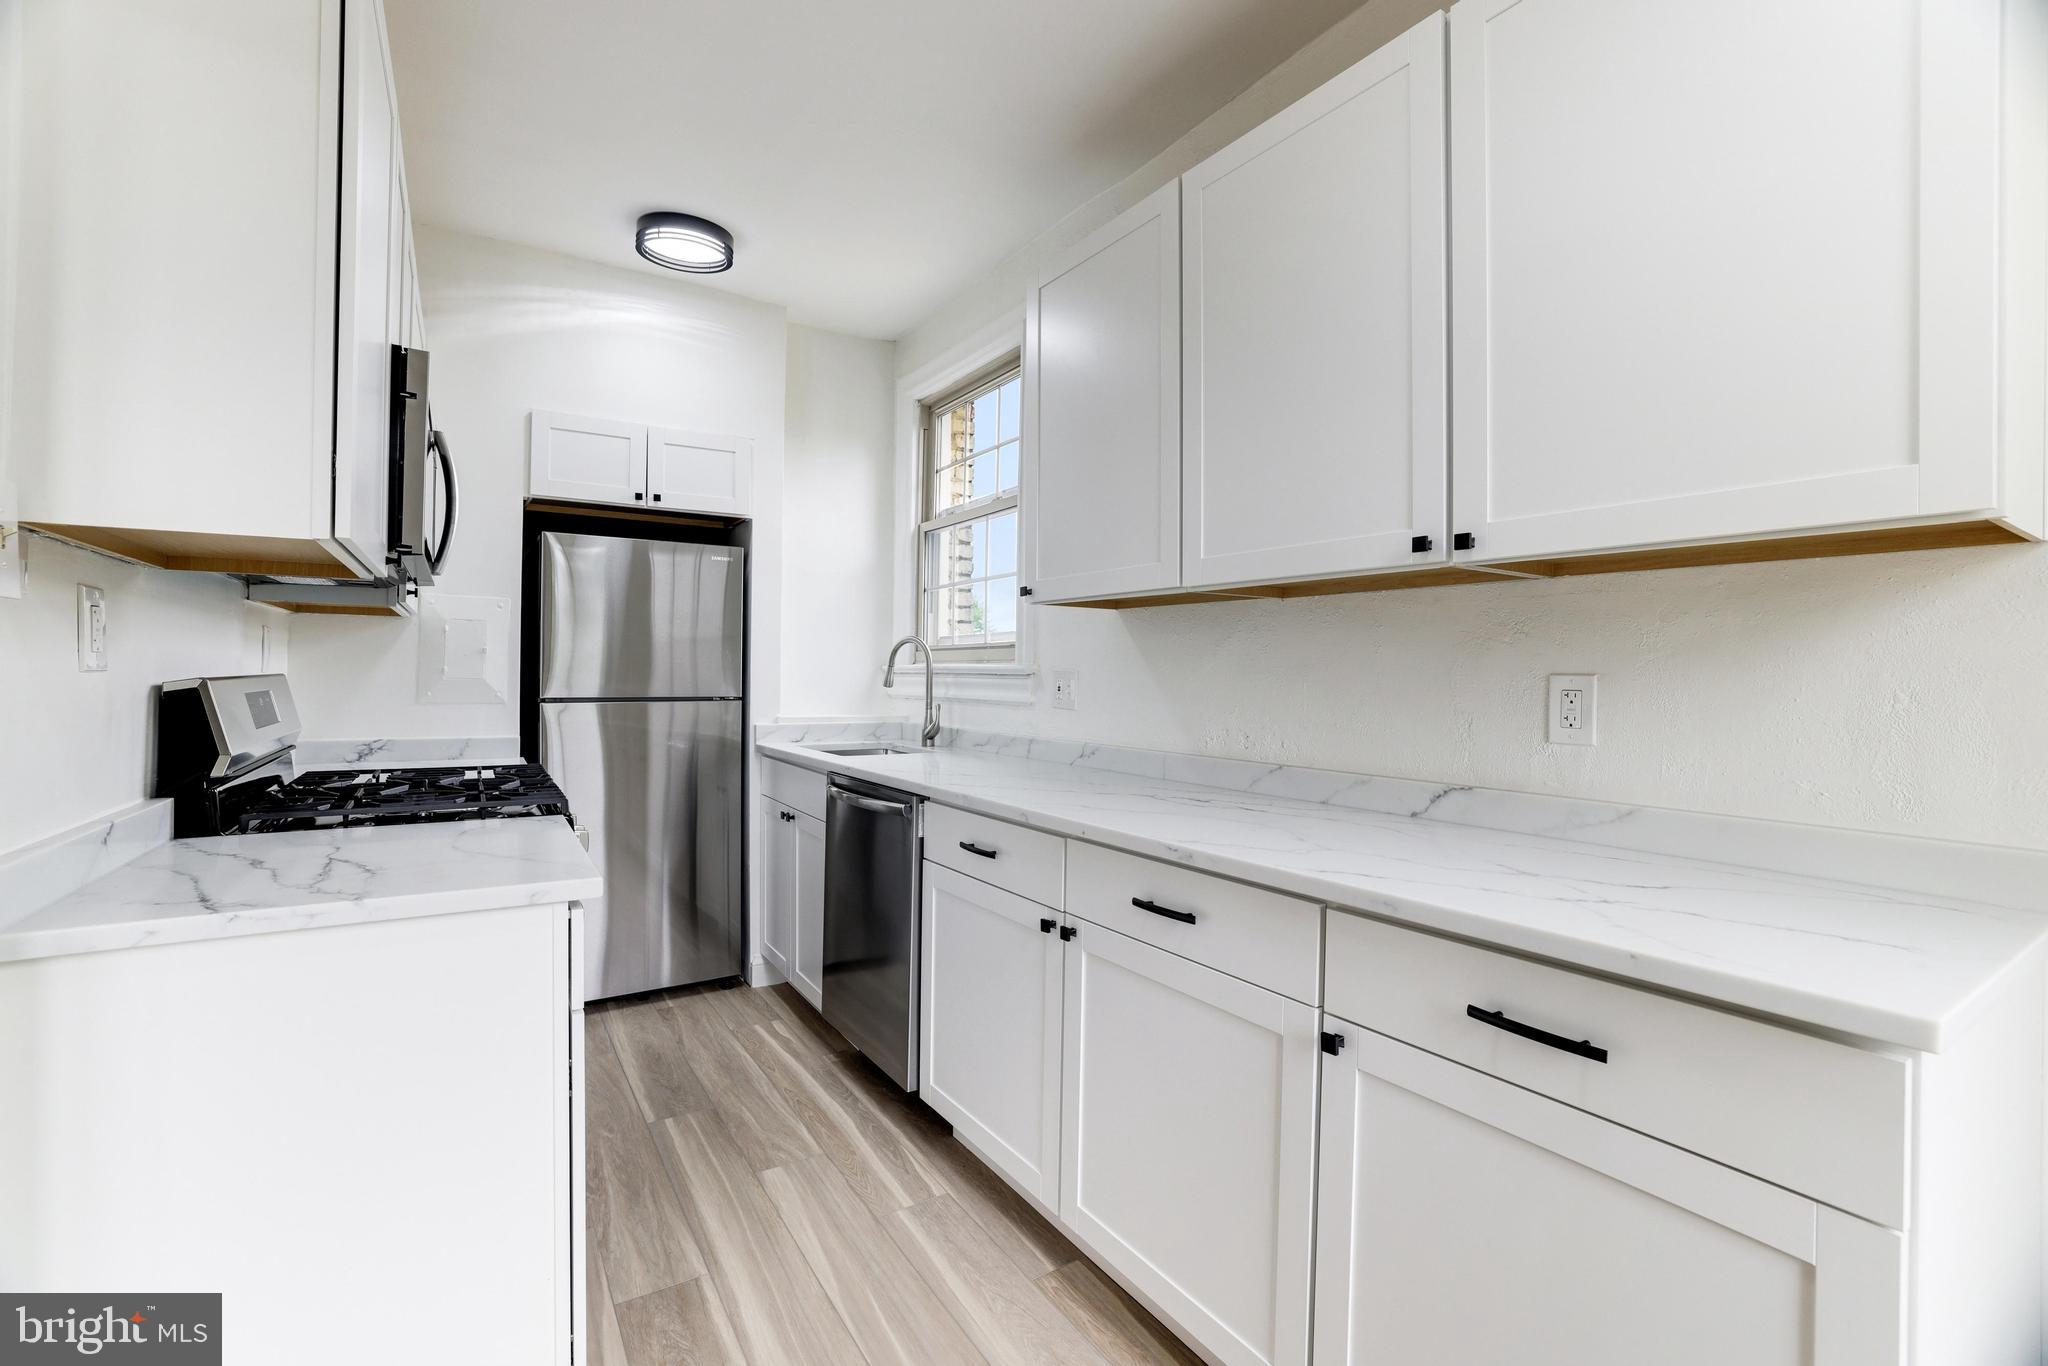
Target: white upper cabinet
pixel 588 459
pixel 598 460
pixel 374 292
pixel 1465 1220
pixel 1102 410
pixel 192 397
pixel 699 472
pixel 1733 269
pixel 1312 329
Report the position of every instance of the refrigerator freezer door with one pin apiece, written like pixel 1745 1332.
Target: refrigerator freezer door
pixel 657 784
pixel 634 619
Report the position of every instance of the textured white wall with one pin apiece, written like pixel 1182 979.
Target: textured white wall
pixel 837 524
pixel 512 329
pixel 1901 693
pixel 74 746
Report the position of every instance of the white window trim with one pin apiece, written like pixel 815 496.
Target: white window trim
pixel 989 505
pixel 1010 683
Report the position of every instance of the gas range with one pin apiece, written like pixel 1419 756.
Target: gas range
pixel 224 756
pixel 401 796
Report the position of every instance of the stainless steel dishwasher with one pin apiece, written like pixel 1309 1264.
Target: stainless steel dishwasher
pixel 873 841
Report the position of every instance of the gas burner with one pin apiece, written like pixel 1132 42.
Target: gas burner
pixel 401 796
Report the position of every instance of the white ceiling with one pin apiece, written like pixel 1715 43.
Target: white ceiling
pixel 869 156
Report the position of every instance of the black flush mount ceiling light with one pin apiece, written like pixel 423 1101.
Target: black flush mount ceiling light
pixel 682 241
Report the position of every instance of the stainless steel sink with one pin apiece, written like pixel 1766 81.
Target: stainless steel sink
pixel 861 750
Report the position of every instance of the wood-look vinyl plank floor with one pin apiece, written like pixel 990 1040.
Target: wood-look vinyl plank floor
pixel 1123 1330
pixel 893 1314
pixel 828 1218
pixel 1011 1320
pixel 751 1106
pixel 777 1306
pixel 602 1344
pixel 636 1226
pixel 869 1154
pixel 684 1325
pixel 655 1061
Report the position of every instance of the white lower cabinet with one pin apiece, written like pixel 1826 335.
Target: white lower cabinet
pixel 1188 1141
pixel 990 1025
pixel 1466 1220
pixel 793 897
pixel 807 973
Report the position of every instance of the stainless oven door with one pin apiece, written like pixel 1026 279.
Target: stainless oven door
pixel 871 923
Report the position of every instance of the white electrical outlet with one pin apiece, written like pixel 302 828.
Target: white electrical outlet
pixel 10 543
pixel 92 629
pixel 1063 683
pixel 1572 698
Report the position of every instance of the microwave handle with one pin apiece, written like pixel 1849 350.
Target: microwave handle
pixel 451 486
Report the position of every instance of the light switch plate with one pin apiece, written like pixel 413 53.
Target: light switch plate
pixel 11 572
pixel 92 629
pixel 1572 715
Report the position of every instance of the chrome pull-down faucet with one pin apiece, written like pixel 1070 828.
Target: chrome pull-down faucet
pixel 931 701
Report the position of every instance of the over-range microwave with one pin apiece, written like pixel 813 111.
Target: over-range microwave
pixel 423 483
pixel 421 506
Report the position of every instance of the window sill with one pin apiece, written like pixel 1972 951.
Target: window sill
pixel 1002 684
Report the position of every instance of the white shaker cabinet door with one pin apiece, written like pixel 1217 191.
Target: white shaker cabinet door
pixel 1463 1220
pixel 779 878
pixel 807 970
pixel 990 1023
pixel 586 459
pixel 1720 269
pixel 1102 410
pixel 700 472
pixel 1313 331
pixel 372 255
pixel 1188 1142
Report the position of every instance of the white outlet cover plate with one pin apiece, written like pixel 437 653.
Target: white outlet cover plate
pixel 1064 682
pixel 92 629
pixel 1572 699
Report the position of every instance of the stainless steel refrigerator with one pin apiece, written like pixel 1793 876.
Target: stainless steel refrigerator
pixel 642 667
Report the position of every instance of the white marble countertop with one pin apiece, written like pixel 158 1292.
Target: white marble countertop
pixel 1901 968
pixel 258 884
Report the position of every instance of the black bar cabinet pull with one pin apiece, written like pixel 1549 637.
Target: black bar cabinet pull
pixel 971 847
pixel 1047 926
pixel 1582 1048
pixel 1184 917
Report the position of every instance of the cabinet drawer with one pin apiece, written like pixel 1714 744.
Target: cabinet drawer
pixel 799 789
pixel 1822 1118
pixel 1030 863
pixel 1260 936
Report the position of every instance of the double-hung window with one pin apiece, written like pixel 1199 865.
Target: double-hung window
pixel 967 553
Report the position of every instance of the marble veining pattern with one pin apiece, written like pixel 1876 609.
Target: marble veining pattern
pixel 43 872
pixel 1893 965
pixel 257 884
pixel 2003 876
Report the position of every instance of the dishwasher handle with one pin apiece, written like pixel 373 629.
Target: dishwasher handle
pixel 840 794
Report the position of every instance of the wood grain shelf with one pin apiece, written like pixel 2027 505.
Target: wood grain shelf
pixel 1882 541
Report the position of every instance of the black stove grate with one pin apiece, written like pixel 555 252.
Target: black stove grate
pixel 316 801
